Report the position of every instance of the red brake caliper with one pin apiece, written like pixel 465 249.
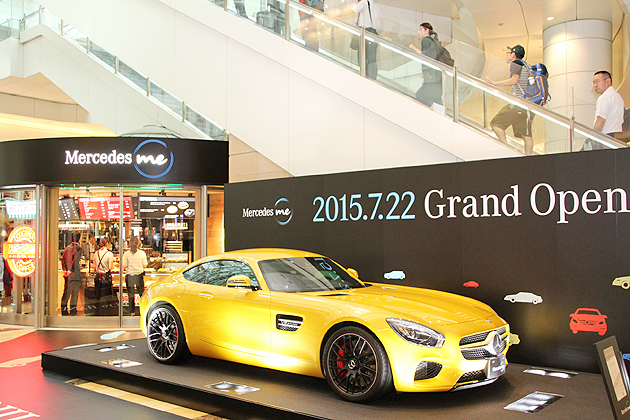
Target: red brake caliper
pixel 340 363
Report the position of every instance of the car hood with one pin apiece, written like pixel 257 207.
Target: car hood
pixel 429 307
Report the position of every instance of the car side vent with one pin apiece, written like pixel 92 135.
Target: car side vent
pixel 335 294
pixel 288 322
pixel 427 370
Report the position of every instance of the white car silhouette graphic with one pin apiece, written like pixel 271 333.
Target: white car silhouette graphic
pixel 395 275
pixel 524 297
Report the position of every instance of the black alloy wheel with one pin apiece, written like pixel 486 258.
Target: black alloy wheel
pixel 165 335
pixel 356 365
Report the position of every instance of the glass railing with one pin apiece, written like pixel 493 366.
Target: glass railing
pixel 461 96
pixel 466 99
pixel 203 125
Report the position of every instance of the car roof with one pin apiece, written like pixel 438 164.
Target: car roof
pixel 259 254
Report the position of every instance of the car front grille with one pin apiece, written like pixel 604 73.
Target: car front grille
pixel 470 351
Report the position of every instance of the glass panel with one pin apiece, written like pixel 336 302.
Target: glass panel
pixel 50 20
pixel 135 77
pixel 88 252
pixel 164 226
pixel 204 125
pixel 17 243
pixel 315 31
pixel 104 56
pixel 166 98
pixel 31 20
pixel 473 105
pixel 76 36
pixel 269 14
pixel 244 8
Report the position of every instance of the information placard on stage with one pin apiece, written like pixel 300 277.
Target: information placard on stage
pixel 615 377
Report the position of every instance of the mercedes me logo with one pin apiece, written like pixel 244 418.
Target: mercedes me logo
pixel 152 158
pixel 283 212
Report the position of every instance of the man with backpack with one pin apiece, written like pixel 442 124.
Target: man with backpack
pixel 431 90
pixel 519 118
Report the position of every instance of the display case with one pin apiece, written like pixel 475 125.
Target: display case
pixel 173 261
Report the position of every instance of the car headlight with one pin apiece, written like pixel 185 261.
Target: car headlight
pixel 416 333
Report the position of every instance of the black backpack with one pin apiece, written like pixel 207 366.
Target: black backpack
pixel 443 55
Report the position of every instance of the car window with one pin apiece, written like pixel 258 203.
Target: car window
pixel 587 312
pixel 310 274
pixel 218 272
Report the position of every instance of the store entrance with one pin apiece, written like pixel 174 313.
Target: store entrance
pixel 107 258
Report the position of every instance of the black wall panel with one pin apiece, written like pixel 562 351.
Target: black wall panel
pixel 539 239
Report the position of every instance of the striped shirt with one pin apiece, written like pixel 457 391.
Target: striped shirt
pixel 518 67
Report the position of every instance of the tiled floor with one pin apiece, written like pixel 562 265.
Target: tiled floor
pixel 28 392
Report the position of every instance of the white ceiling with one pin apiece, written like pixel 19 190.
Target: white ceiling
pixel 17 119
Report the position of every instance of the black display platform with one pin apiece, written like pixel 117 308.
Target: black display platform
pixel 287 396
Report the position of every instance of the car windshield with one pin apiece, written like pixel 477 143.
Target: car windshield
pixel 587 312
pixel 310 274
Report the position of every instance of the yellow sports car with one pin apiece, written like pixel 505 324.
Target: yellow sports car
pixel 303 313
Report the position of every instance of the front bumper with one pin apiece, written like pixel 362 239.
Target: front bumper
pixel 468 358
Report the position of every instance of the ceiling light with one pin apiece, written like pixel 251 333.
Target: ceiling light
pixel 550 18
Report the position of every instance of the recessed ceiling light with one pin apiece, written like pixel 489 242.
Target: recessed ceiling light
pixel 550 18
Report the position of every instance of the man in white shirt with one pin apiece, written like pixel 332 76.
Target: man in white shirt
pixel 370 19
pixel 610 107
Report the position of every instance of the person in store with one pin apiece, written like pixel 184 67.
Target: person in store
pixel 7 277
pixel 134 262
pixel 71 265
pixel 370 19
pixel 89 248
pixel 103 262
pixel 431 90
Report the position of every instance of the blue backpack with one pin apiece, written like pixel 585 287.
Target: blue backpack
pixel 537 90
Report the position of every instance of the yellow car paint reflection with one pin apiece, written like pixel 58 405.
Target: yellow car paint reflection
pixel 302 313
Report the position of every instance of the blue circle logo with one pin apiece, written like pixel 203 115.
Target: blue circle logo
pixel 152 159
pixel 283 211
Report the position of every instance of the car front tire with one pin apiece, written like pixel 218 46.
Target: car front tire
pixel 356 365
pixel 165 335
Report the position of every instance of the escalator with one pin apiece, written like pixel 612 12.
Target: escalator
pixel 308 112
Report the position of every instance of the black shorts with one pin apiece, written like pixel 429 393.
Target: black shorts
pixel 518 118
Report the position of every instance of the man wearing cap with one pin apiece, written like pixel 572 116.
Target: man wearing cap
pixel 513 115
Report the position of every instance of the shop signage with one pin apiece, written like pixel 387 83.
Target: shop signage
pixel 147 164
pixel 19 251
pixel 104 208
pixel 113 160
pixel 17 209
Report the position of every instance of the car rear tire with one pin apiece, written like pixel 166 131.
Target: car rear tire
pixel 356 366
pixel 165 335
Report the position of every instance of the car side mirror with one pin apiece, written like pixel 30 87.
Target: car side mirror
pixel 240 281
pixel 353 272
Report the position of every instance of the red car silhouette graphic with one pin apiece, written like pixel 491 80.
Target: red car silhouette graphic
pixel 588 319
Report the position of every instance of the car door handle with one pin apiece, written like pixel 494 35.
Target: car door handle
pixel 205 295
